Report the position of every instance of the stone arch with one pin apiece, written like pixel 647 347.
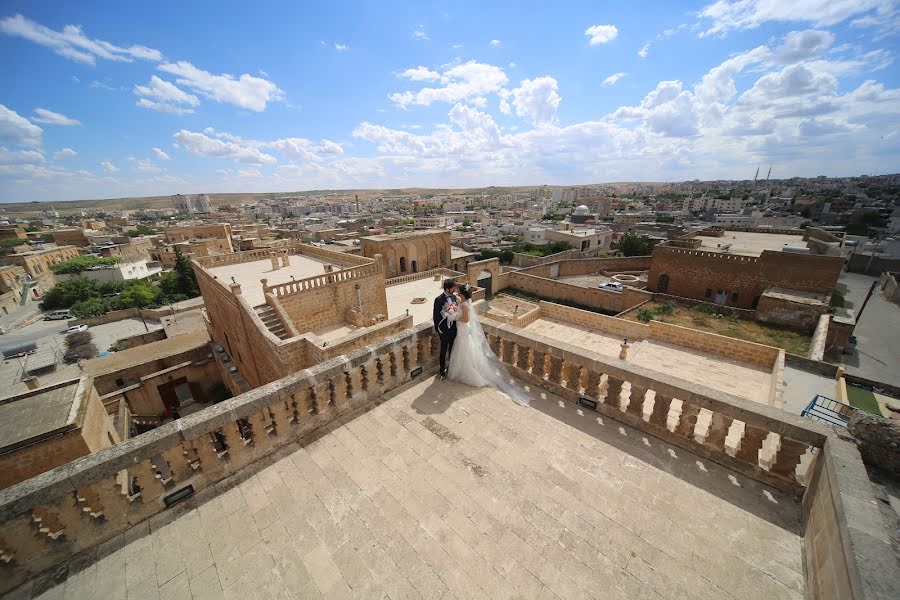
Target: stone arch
pixel 402 265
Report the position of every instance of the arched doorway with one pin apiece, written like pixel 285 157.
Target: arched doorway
pixel 485 279
pixel 403 264
pixel 662 284
pixel 415 267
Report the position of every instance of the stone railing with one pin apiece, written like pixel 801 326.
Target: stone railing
pixel 766 444
pixel 48 519
pixel 317 281
pixel 331 255
pixel 218 260
pixel 455 275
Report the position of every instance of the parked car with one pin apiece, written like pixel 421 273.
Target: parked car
pixel 76 329
pixel 58 315
pixel 613 286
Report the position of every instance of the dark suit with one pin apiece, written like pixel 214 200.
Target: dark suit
pixel 445 328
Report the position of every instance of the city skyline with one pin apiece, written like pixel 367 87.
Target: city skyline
pixel 142 103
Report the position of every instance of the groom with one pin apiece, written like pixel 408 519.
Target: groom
pixel 444 326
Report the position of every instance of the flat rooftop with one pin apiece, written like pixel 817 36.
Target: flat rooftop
pixel 743 379
pixel 446 491
pixel 388 237
pixel 248 274
pixel 748 243
pixel 400 297
pixel 35 413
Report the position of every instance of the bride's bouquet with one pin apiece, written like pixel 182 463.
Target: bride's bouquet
pixel 450 311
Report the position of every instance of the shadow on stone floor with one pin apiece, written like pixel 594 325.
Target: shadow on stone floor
pixel 775 506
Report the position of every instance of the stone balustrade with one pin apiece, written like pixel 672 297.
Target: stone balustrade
pixel 46 520
pixel 317 281
pixel 218 260
pixel 331 255
pixel 766 444
pixel 455 275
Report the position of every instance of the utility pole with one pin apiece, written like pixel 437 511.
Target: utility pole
pixel 872 256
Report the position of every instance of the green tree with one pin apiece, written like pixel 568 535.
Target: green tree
pixel 632 244
pixel 186 278
pixel 141 230
pixel 79 264
pixel 67 293
pixel 138 294
pixel 92 307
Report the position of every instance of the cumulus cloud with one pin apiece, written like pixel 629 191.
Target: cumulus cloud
pixel 420 74
pixel 201 144
pixel 537 99
pixel 612 79
pixel 467 81
pixel 147 166
pixel 161 154
pixel 246 91
pixel 644 50
pixel 20 157
pixel 601 34
pixel 165 96
pixel 803 45
pixel 728 15
pixel 73 44
pixel 494 43
pixel 64 153
pixel 53 118
pixel 16 129
pixel 109 167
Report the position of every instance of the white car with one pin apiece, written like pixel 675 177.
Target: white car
pixel 612 286
pixel 76 329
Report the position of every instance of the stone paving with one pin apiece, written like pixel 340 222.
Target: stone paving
pixel 445 491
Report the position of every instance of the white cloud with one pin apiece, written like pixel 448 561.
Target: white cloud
pixel 420 74
pixel 727 15
pixel 64 153
pixel 252 172
pixel 109 167
pixel 601 34
pixel 16 129
pixel 494 43
pixel 419 33
pixel 329 147
pixel 612 79
pixel 73 44
pixel 147 166
pixel 467 81
pixel 160 154
pixel 53 118
pixel 165 96
pixel 537 99
pixel 803 45
pixel 341 47
pixel 20 157
pixel 200 144
pixel 246 91
pixel 101 86
pixel 644 50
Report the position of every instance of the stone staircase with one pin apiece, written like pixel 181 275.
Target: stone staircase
pixel 272 322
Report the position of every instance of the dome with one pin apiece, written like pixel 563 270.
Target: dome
pixel 582 210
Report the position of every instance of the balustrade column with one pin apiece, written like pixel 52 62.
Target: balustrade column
pixel 523 357
pixel 179 462
pixel 596 384
pixel 496 345
pixel 538 364
pixel 613 392
pixel 788 458
pixel 719 426
pixel 687 421
pixel 660 414
pixel 143 475
pixel 555 371
pixel 635 406
pixel 750 444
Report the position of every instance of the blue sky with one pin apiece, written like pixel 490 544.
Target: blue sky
pixel 139 98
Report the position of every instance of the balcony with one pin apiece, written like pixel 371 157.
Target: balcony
pixel 355 478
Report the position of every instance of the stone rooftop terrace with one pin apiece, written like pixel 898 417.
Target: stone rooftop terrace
pixel 33 414
pixel 749 243
pixel 248 274
pixel 445 491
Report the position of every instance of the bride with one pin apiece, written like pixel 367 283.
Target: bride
pixel 472 361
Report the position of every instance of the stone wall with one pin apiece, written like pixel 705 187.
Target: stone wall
pixel 778 310
pixel 700 275
pixel 549 289
pixel 403 254
pixel 887 283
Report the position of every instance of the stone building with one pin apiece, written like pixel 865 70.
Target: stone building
pixel 404 253
pixel 70 237
pixel 12 280
pixel 219 235
pixel 50 426
pixel 36 263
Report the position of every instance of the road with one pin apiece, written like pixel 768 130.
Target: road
pixel 877 353
pixel 33 332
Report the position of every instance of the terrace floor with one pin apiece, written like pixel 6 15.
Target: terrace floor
pixel 743 379
pixel 446 491
pixel 248 274
pixel 399 298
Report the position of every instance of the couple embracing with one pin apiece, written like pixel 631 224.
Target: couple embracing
pixel 464 346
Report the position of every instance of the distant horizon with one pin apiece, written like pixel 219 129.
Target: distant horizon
pixel 427 189
pixel 137 102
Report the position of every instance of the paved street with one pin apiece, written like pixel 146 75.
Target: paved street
pixel 877 353
pixel 50 335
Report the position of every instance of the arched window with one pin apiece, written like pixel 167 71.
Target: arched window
pixel 662 284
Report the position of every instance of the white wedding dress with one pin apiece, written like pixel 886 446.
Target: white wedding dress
pixel 474 363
